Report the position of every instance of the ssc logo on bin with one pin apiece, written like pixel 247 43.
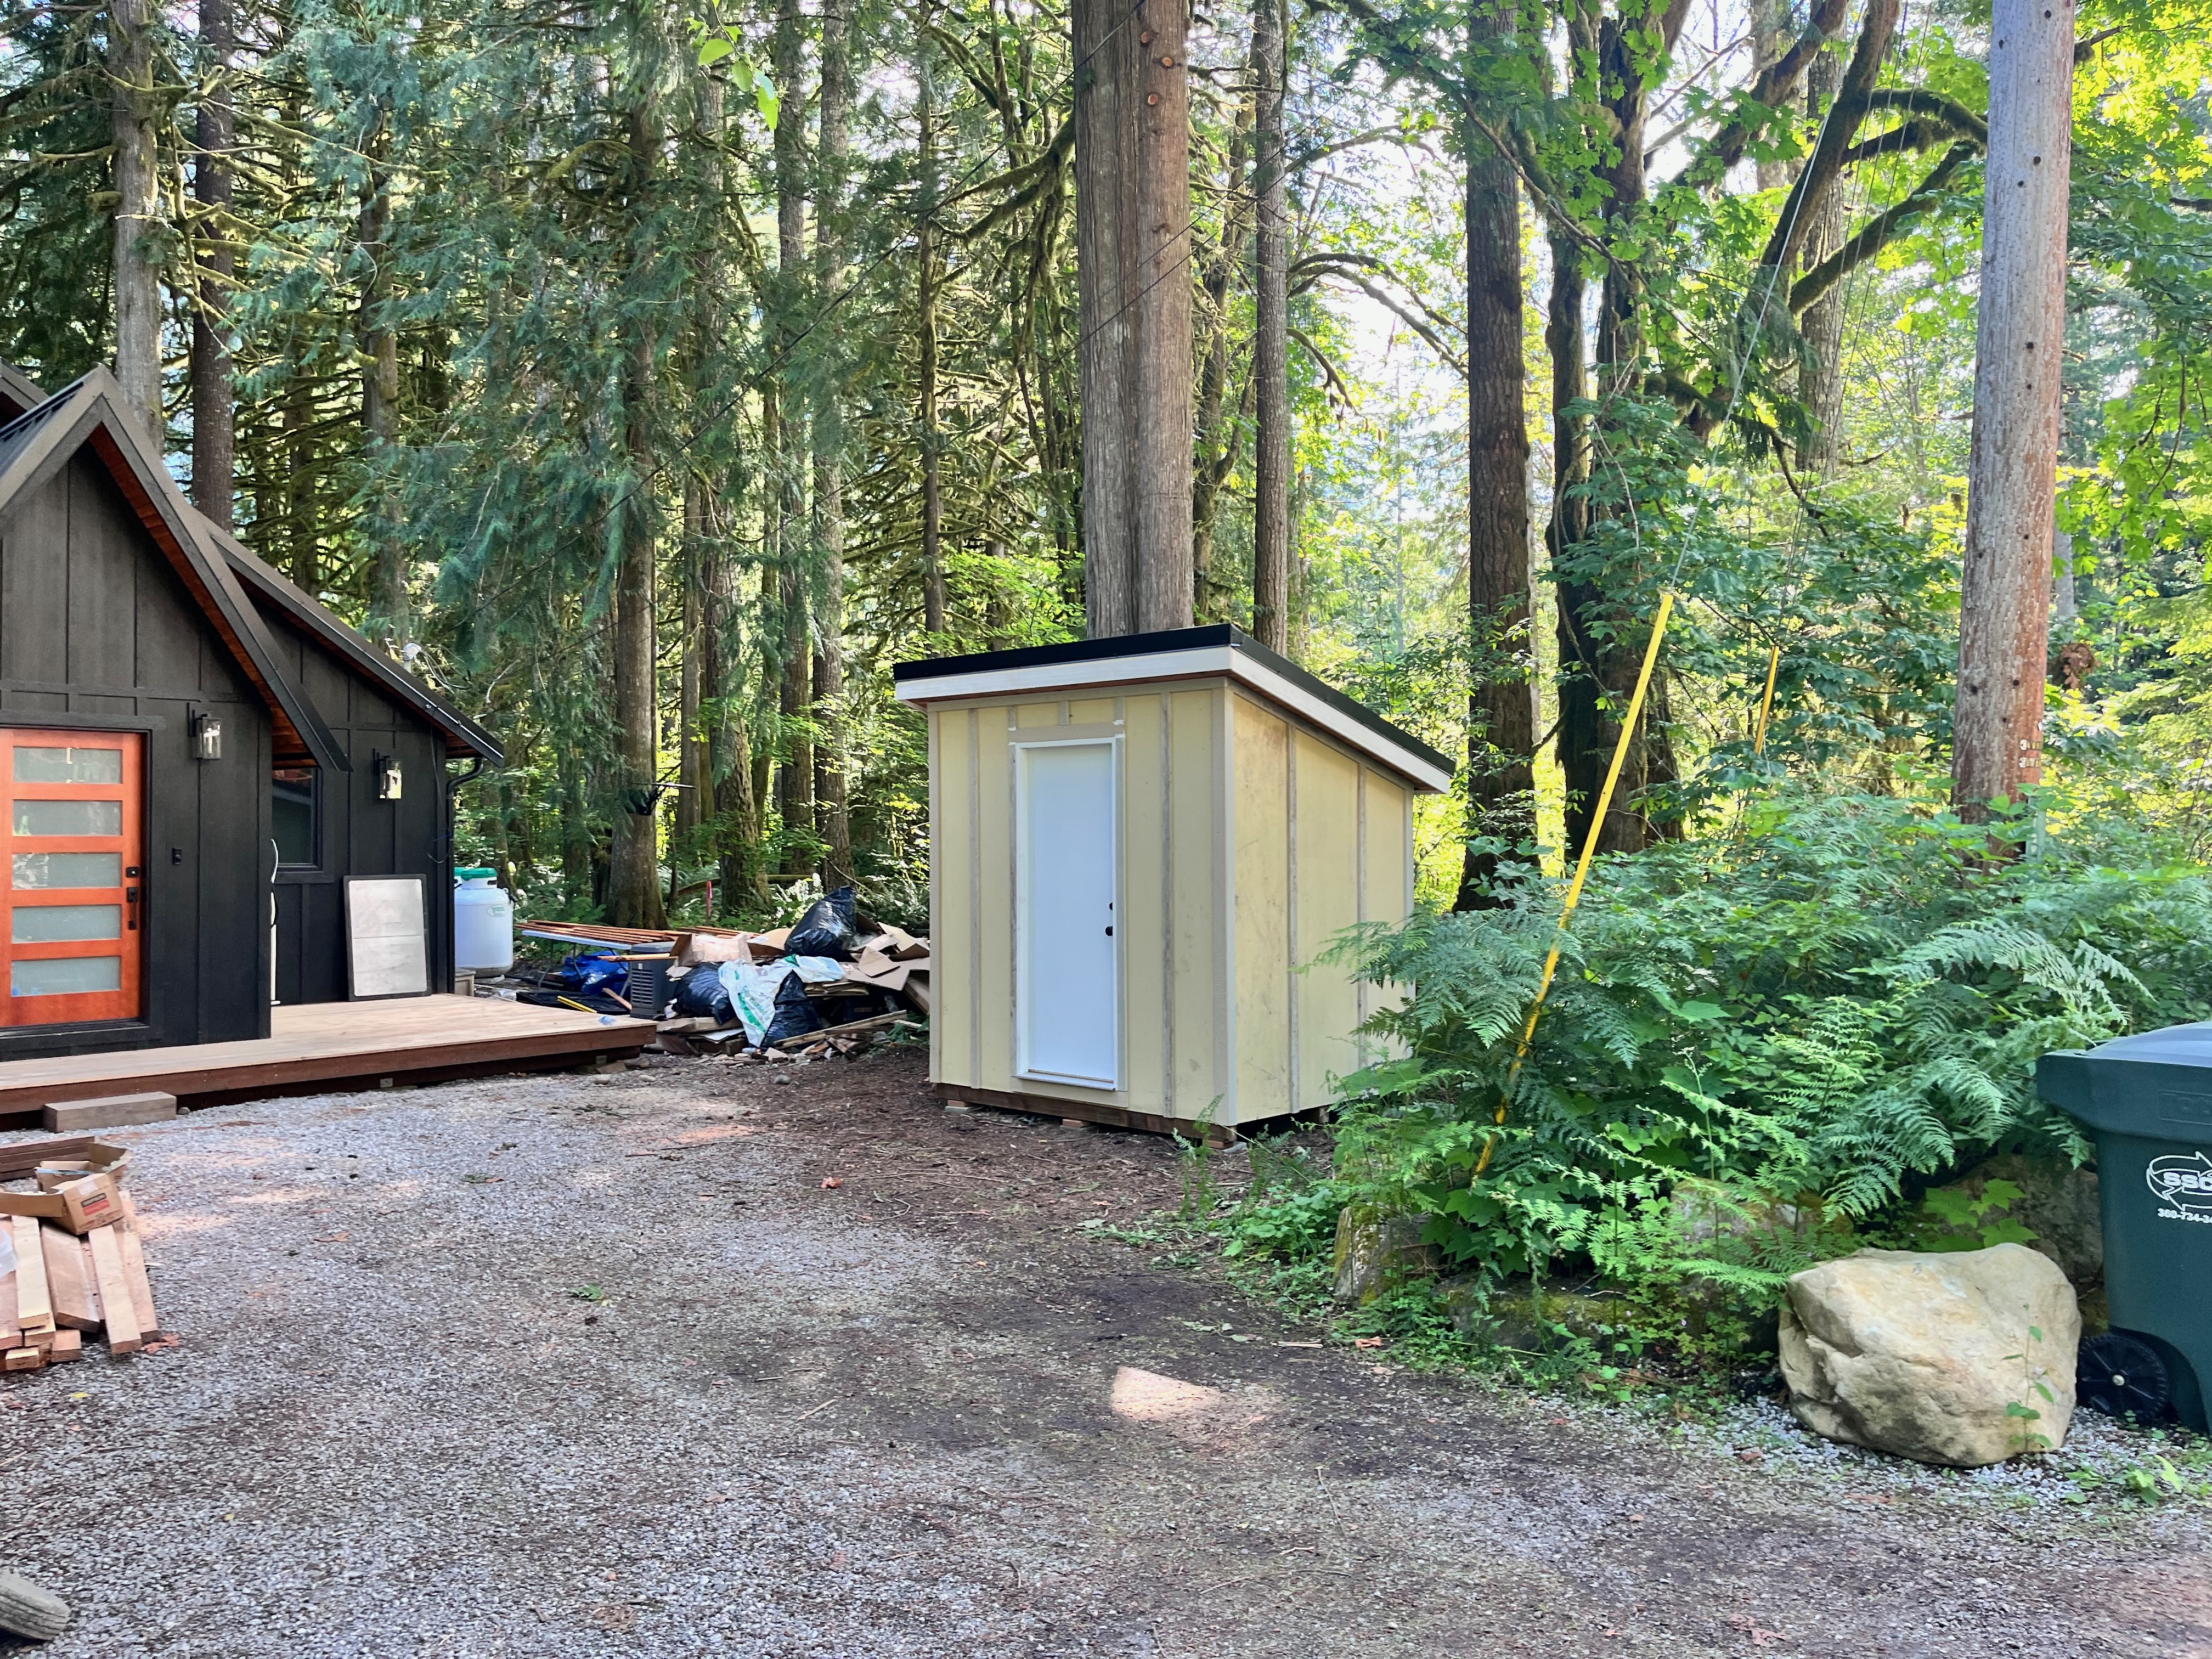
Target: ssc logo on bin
pixel 2182 1186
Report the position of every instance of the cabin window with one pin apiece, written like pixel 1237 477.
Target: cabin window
pixel 295 812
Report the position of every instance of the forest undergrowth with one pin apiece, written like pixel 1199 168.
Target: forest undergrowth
pixel 1764 1049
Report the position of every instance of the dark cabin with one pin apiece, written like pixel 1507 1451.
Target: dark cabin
pixel 193 743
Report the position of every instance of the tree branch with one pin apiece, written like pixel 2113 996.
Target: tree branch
pixel 1880 231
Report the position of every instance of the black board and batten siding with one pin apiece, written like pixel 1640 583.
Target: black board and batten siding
pixel 97 631
pixel 359 834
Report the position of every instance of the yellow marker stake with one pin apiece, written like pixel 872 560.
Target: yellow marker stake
pixel 1767 703
pixel 1582 863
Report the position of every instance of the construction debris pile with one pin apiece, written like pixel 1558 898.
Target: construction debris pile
pixel 71 1263
pixel 829 983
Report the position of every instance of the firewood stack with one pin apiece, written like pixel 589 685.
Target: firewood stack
pixel 77 1265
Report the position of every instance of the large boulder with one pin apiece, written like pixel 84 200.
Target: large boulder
pixel 1960 1357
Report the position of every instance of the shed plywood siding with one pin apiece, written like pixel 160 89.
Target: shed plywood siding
pixel 1325 889
pixel 1198 919
pixel 952 740
pixel 1261 835
pixel 1386 871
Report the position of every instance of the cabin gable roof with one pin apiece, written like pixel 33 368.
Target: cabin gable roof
pixel 267 591
pixel 90 416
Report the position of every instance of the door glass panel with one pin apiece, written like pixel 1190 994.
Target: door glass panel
pixel 69 870
pixel 61 976
pixel 47 924
pixel 68 817
pixel 68 765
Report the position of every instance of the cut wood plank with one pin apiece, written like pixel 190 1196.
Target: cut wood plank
pixel 124 1335
pixel 22 1359
pixel 112 1111
pixel 70 1285
pixel 917 992
pixel 807 1039
pixel 34 1308
pixel 10 1336
pixel 134 1270
pixel 67 1344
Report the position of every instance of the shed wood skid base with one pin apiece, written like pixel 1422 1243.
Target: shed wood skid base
pixel 1113 1117
pixel 329 1047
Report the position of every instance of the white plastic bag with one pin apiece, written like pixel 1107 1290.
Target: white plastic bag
pixel 752 987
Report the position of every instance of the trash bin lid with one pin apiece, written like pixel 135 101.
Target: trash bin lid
pixel 2155 1084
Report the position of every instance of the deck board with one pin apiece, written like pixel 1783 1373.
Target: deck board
pixel 332 1045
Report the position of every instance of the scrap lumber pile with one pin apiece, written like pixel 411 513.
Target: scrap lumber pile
pixel 889 969
pixel 74 1265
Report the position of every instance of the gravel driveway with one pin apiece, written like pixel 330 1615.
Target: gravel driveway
pixel 583 1366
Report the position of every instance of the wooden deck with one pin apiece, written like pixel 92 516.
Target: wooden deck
pixel 326 1046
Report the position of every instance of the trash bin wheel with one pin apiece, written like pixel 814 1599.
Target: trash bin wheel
pixel 2122 1376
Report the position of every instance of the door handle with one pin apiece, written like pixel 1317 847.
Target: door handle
pixel 1109 932
pixel 131 898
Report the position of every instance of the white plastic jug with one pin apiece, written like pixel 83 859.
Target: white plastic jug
pixel 484 924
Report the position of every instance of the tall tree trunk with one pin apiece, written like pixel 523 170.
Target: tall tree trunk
pixel 1501 734
pixel 1823 322
pixel 932 486
pixel 1133 253
pixel 1769 39
pixel 795 782
pixel 2004 617
pixel 1271 341
pixel 1601 642
pixel 300 504
pixel 694 801
pixel 575 828
pixel 633 898
pixel 215 400
pixel 831 160
pixel 138 252
pixel 380 399
pixel 737 800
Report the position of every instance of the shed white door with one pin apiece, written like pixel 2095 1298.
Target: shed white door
pixel 1067 981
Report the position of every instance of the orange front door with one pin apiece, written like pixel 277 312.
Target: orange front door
pixel 75 875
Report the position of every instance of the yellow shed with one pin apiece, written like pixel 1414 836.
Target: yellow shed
pixel 1138 848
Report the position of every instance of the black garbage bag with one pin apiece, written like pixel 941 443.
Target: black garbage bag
pixel 701 994
pixel 795 1012
pixel 828 928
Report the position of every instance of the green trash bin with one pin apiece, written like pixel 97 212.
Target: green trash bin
pixel 2148 1101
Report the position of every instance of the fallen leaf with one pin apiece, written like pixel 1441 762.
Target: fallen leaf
pixel 1366 1341
pixel 832 1180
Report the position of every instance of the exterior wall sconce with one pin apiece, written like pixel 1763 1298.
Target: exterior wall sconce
pixel 386 768
pixel 207 737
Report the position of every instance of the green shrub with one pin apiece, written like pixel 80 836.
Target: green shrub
pixel 1754 1045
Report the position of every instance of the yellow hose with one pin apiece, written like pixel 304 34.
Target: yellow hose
pixel 1583 865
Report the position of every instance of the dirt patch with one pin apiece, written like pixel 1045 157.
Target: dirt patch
pixel 560 1365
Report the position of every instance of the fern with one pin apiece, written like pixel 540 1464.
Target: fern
pixel 1847 999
